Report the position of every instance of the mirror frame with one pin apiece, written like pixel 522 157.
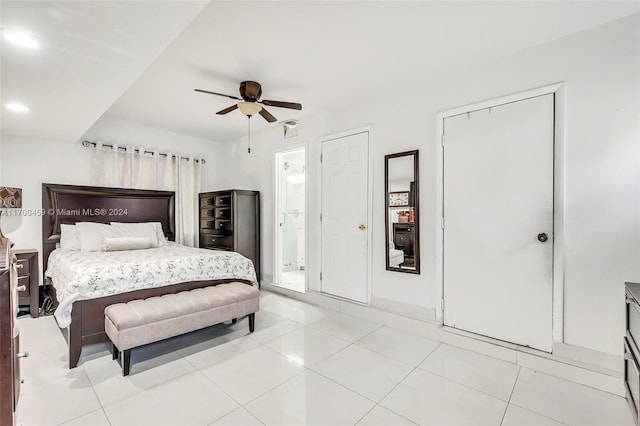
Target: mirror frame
pixel 416 210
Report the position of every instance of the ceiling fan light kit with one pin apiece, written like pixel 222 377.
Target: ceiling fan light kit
pixel 249 108
pixel 250 92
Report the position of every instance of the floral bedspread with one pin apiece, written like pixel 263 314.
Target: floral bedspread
pixel 78 275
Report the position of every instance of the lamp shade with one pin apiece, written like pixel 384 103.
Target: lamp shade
pixel 249 108
pixel 10 198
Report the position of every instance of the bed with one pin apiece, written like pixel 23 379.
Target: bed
pixel 88 282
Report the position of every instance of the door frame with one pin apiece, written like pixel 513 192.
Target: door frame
pixel 557 291
pixel 276 192
pixel 365 129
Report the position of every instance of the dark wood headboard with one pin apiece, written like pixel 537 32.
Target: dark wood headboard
pixel 68 204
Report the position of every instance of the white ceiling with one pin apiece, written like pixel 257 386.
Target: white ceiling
pixel 90 53
pixel 324 55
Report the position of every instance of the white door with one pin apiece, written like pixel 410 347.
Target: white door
pixel 498 208
pixel 345 169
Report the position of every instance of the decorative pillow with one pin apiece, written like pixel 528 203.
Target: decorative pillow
pixel 125 243
pixel 144 229
pixel 91 234
pixel 69 237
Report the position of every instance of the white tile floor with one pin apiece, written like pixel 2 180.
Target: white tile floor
pixel 293 280
pixel 304 365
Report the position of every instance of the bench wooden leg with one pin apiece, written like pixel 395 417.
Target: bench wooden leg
pixel 252 322
pixel 114 351
pixel 126 362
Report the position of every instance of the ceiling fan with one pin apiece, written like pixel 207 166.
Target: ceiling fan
pixel 250 93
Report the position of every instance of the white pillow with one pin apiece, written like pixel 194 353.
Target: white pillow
pixel 91 234
pixel 69 237
pixel 144 230
pixel 125 243
pixel 159 233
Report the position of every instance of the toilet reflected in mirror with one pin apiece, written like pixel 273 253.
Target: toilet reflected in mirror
pixel 401 212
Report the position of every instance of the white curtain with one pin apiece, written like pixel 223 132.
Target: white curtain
pixel 113 167
pixel 189 176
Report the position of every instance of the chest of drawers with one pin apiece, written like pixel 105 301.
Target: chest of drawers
pixel 404 238
pixel 9 337
pixel 28 280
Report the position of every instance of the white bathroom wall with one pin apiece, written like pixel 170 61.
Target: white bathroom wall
pixel 601 69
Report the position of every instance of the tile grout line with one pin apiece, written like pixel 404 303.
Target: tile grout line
pixel 539 414
pixel 376 403
pixel 224 392
pixel 271 389
pixel 524 408
pixel 380 353
pixel 403 379
pixel 515 382
pixel 97 398
pixel 260 395
pixel 464 384
pixel 146 389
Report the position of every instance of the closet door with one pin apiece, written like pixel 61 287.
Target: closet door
pixel 498 221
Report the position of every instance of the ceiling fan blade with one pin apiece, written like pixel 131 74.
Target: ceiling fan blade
pixel 267 116
pixel 219 94
pixel 290 105
pixel 227 110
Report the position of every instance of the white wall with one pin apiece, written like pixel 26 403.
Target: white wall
pixel 28 163
pixel 112 131
pixel 601 68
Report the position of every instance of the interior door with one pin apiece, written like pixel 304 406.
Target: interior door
pixel 345 165
pixel 498 221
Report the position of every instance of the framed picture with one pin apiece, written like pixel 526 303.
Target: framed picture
pixel 399 199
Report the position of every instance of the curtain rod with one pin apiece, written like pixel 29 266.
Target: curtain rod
pixel 161 154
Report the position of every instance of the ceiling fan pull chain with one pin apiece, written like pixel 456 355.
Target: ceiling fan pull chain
pixel 249 134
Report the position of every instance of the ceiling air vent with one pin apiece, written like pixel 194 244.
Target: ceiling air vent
pixel 290 128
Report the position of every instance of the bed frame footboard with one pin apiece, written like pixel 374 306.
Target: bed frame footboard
pixel 87 316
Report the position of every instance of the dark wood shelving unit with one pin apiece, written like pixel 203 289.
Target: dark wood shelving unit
pixel 230 220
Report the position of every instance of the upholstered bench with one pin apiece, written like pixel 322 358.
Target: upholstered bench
pixel 140 322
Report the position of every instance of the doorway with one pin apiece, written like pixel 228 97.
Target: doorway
pixel 498 221
pixel 290 239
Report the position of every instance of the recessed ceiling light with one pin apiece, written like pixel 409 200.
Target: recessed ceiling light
pixel 17 107
pixel 20 38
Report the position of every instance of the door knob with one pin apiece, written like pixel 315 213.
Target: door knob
pixel 22 354
pixel 362 227
pixel 543 237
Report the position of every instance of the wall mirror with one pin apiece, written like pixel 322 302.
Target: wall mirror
pixel 401 212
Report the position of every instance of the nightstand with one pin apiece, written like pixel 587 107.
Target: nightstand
pixel 29 277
